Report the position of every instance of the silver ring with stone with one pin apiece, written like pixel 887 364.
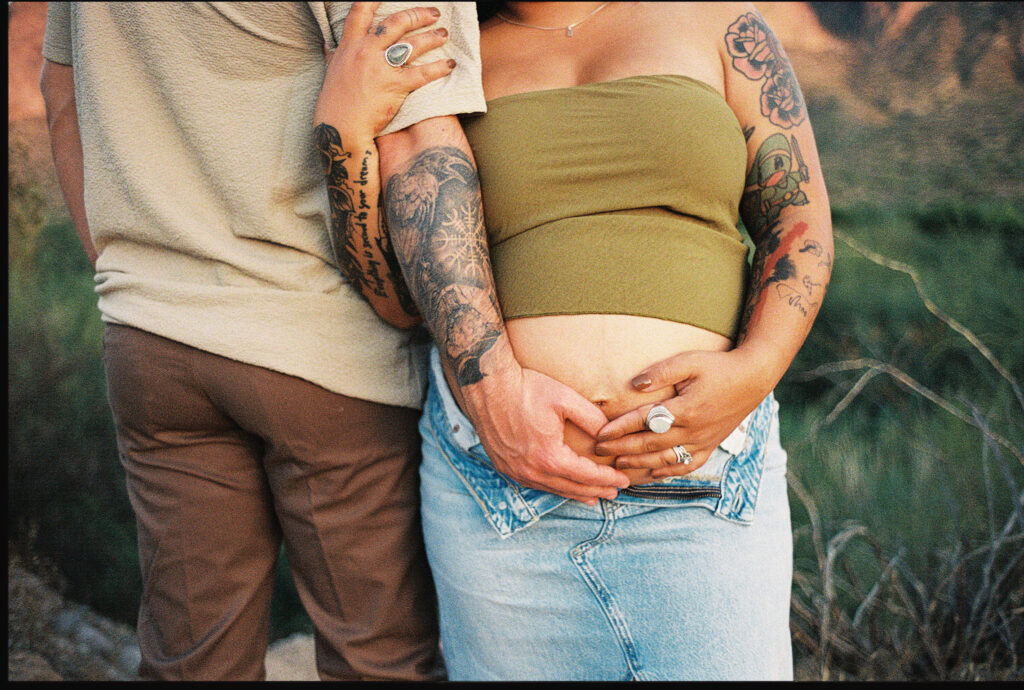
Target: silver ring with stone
pixel 682 455
pixel 659 419
pixel 398 54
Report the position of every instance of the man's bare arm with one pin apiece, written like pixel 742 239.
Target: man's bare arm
pixel 57 83
pixel 435 219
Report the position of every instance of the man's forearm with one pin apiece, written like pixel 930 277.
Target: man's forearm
pixel 435 219
pixel 434 215
pixel 57 82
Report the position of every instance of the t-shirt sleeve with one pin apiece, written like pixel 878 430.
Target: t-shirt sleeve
pixel 57 39
pixel 459 92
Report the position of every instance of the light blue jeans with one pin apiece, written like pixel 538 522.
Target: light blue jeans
pixel 685 579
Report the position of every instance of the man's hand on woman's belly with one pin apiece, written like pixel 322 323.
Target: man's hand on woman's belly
pixel 598 355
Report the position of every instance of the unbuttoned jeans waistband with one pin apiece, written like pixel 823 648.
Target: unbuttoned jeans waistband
pixel 728 486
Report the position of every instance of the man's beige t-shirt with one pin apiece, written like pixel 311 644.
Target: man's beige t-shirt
pixel 204 193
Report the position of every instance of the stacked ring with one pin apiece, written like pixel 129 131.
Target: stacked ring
pixel 682 455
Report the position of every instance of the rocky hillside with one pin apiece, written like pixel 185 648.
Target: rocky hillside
pixel 52 639
pixel 49 638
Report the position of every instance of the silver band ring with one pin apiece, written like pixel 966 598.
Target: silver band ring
pixel 682 455
pixel 398 54
pixel 659 419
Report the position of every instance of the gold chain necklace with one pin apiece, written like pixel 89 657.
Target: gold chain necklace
pixel 568 29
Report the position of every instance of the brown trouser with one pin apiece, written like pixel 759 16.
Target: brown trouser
pixel 223 459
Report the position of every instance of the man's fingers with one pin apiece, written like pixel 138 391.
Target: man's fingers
pixel 398 24
pixel 580 411
pixel 588 473
pixel 569 473
pixel 580 492
pixel 570 489
pixel 358 20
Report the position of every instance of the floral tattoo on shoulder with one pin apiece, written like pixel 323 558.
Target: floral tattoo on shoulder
pixel 757 55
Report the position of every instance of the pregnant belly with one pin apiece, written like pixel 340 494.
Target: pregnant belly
pixel 598 355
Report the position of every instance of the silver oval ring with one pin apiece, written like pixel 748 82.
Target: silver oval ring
pixel 659 419
pixel 682 455
pixel 398 54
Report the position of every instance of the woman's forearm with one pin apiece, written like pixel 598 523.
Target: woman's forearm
pixel 358 235
pixel 791 270
pixel 361 94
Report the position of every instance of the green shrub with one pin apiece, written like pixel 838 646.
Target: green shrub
pixel 905 445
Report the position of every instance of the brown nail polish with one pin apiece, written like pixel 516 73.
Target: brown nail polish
pixel 451 63
pixel 442 32
pixel 434 11
pixel 641 382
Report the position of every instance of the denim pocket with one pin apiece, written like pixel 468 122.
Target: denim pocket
pixel 741 478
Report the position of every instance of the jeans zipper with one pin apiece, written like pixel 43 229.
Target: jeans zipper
pixel 689 492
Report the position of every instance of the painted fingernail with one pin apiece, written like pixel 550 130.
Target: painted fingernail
pixel 451 63
pixel 442 32
pixel 641 382
pixel 435 12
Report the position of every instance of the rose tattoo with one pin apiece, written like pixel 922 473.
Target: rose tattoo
pixel 757 55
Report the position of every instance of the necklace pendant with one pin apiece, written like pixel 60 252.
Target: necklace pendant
pixel 568 31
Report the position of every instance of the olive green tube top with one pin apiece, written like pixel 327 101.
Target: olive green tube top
pixel 616 197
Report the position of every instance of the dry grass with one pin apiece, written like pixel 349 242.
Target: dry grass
pixel 860 613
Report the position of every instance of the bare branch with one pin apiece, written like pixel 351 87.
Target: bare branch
pixel 934 309
pixel 909 382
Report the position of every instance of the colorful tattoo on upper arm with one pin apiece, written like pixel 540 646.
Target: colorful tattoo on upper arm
pixel 436 221
pixel 773 182
pixel 757 55
pixel 798 282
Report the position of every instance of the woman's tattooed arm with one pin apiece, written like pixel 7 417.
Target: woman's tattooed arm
pixel 359 239
pixel 786 255
pixel 784 205
pixel 434 213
